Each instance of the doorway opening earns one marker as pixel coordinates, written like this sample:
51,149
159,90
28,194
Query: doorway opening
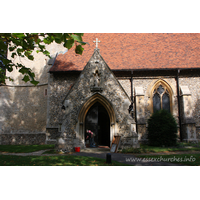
97,120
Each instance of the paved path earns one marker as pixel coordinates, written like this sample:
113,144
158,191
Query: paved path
125,158
166,153
35,153
129,159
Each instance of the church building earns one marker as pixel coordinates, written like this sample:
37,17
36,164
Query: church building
111,89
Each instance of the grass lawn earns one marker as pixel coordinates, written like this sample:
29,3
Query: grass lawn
183,159
152,149
24,148
68,160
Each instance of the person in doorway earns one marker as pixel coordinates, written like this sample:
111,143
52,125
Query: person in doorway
90,135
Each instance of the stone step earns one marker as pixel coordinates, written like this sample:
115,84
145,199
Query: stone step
51,141
95,150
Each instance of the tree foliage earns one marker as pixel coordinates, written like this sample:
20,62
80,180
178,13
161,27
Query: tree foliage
162,129
23,45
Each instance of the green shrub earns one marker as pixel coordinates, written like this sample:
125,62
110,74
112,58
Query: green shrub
162,129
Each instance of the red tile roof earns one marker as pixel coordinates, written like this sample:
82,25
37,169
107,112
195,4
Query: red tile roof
124,51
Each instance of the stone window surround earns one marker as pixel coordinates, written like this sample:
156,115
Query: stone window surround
151,93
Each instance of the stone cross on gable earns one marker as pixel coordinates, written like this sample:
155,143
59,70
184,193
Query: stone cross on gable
97,42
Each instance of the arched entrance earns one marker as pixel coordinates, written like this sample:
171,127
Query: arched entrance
108,109
97,120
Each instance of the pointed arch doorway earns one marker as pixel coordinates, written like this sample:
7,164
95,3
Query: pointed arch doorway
107,108
97,120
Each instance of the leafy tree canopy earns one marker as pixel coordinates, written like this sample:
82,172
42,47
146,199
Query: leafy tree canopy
23,44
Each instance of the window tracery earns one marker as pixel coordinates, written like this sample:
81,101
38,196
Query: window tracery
161,97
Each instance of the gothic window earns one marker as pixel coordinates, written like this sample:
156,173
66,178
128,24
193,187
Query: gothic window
161,98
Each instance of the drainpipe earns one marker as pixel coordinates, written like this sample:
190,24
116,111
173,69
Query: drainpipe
131,86
131,106
179,105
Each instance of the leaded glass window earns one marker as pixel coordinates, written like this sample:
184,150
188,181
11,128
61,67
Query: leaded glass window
156,102
165,102
161,98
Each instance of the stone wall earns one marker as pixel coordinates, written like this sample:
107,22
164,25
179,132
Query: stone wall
59,86
126,84
81,92
145,83
23,110
188,79
95,79
190,101
198,133
192,80
24,106
25,139
26,111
